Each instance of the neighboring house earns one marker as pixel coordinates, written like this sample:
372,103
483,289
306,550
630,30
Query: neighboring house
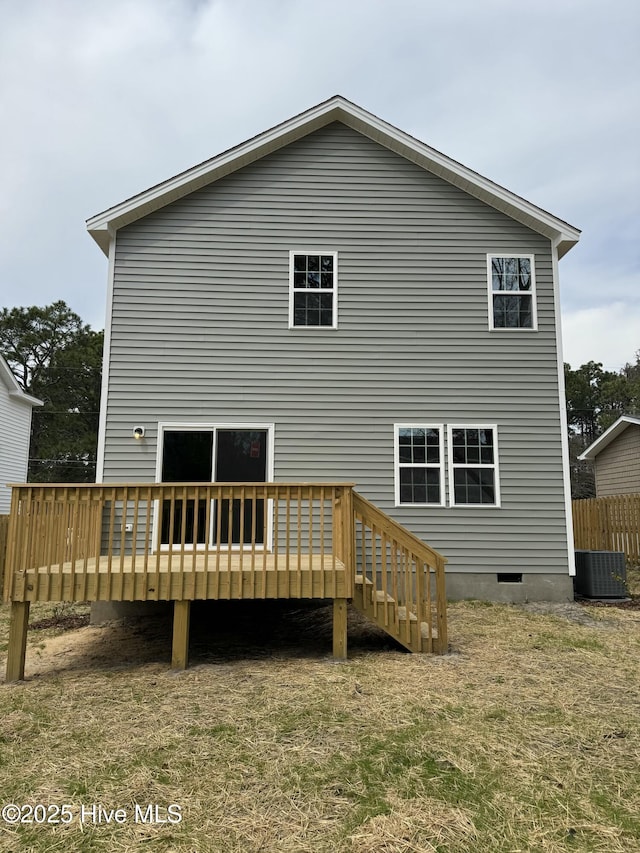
15,432
616,458
334,300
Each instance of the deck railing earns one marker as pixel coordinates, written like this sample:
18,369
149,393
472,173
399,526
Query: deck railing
4,533
104,541
402,578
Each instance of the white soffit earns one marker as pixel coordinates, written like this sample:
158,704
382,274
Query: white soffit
104,224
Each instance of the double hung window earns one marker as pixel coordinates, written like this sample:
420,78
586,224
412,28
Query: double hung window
419,468
512,292
473,455
313,282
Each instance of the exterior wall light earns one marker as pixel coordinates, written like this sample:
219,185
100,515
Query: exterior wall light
138,432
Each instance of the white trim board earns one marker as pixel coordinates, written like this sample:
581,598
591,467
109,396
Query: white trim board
106,361
564,428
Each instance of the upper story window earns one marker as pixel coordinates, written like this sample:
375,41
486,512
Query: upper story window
512,292
473,465
419,475
313,283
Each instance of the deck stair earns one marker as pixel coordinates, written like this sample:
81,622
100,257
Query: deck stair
382,609
399,580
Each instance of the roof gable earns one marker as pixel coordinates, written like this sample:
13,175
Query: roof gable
13,386
103,225
610,435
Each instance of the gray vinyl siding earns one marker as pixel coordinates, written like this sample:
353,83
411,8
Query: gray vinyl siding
618,465
200,334
15,429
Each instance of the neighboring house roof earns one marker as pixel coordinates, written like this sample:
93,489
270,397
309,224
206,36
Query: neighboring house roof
13,386
607,437
103,225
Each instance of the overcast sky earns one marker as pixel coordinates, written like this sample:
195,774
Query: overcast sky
99,101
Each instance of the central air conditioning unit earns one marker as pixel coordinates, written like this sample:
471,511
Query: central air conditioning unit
601,574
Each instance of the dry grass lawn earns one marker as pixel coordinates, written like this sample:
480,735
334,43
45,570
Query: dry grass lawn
525,738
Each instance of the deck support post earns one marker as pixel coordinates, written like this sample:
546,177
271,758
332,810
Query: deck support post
17,640
340,628
442,646
180,648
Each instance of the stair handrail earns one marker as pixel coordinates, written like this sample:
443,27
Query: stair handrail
398,531
376,519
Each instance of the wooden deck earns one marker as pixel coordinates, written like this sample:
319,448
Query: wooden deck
173,577
186,541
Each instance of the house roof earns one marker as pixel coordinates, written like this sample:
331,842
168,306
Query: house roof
607,437
103,225
13,386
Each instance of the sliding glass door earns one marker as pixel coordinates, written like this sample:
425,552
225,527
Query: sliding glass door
213,454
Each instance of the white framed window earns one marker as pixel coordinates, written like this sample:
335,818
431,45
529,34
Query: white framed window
473,465
512,292
419,464
313,289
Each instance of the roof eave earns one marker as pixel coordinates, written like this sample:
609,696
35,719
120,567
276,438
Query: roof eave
101,226
561,233
14,388
27,399
609,435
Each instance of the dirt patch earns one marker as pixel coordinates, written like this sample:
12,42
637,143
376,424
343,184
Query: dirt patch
632,603
221,632
62,623
573,611
580,611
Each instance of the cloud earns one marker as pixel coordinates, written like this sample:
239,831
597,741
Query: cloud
100,101
609,334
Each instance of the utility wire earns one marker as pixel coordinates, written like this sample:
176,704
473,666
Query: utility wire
65,461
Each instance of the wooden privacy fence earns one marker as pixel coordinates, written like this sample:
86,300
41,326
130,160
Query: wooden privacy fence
608,524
